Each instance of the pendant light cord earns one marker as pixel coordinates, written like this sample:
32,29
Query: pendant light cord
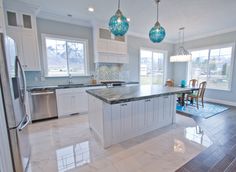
118,4
157,1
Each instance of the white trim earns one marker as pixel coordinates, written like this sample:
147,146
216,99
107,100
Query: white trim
165,52
209,48
65,19
67,38
224,102
206,35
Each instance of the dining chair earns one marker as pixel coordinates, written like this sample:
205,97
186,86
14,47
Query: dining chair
198,94
170,83
193,82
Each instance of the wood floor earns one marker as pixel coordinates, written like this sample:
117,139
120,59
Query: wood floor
221,155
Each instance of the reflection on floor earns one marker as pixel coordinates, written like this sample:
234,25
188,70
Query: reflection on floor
67,145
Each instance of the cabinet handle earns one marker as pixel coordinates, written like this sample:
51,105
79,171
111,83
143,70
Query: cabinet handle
148,100
123,104
166,97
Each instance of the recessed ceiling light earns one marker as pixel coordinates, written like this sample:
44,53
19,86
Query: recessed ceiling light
91,9
128,19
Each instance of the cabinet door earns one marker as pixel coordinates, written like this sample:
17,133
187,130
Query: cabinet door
126,119
66,104
30,51
82,102
138,111
121,121
26,21
15,35
149,115
12,18
165,110
2,22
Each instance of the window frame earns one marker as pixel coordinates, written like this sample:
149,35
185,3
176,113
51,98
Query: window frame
63,38
209,48
154,51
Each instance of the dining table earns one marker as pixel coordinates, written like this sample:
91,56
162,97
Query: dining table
192,89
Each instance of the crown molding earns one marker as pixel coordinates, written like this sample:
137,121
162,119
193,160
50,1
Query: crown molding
60,18
206,35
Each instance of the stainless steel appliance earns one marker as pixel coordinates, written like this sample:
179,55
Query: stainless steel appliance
13,88
113,83
44,105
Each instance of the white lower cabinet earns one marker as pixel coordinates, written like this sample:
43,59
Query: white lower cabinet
121,121
118,122
72,100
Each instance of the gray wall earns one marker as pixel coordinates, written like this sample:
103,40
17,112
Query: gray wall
63,29
134,45
180,69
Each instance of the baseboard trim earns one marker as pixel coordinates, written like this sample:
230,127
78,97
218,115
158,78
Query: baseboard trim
224,102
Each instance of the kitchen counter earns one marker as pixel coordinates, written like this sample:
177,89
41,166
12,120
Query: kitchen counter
126,94
63,86
120,113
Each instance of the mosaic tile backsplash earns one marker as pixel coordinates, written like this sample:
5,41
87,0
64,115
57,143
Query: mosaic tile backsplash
103,72
111,72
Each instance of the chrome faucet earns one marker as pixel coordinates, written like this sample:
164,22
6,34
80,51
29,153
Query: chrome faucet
70,79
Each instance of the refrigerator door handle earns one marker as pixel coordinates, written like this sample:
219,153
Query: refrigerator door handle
24,123
22,73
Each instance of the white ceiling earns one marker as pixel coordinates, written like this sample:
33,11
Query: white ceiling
199,17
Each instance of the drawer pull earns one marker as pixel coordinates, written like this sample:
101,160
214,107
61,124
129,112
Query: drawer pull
123,104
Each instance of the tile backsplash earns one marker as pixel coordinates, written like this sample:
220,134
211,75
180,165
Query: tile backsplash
105,71
35,79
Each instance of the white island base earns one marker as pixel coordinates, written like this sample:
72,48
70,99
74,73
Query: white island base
114,123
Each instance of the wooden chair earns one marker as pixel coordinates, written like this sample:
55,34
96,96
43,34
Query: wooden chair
193,83
170,83
199,94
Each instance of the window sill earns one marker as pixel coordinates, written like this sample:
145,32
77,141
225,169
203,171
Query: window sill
215,89
73,76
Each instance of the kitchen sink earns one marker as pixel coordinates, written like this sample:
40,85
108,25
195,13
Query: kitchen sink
70,85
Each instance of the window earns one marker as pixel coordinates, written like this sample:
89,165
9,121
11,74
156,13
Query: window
152,67
64,56
214,66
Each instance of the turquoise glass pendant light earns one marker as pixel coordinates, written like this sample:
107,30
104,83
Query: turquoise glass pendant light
118,23
157,33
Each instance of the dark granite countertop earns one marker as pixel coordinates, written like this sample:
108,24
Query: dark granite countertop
65,86
126,94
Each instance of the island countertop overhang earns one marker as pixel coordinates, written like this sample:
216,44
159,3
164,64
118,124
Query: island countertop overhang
117,95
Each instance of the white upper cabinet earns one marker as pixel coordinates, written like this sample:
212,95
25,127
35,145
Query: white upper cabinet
108,48
2,23
21,27
19,19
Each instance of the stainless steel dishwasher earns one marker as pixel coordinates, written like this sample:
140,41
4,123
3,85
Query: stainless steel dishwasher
43,104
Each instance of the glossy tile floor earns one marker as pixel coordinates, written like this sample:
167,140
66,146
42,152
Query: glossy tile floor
67,145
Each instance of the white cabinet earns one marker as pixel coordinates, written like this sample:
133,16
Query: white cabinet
121,121
19,19
2,21
22,28
114,123
73,100
163,109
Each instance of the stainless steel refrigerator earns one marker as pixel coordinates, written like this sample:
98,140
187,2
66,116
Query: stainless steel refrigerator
13,88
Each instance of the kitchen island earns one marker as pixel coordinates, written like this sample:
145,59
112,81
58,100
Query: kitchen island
120,113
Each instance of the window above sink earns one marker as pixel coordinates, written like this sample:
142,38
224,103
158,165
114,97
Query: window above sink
64,56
